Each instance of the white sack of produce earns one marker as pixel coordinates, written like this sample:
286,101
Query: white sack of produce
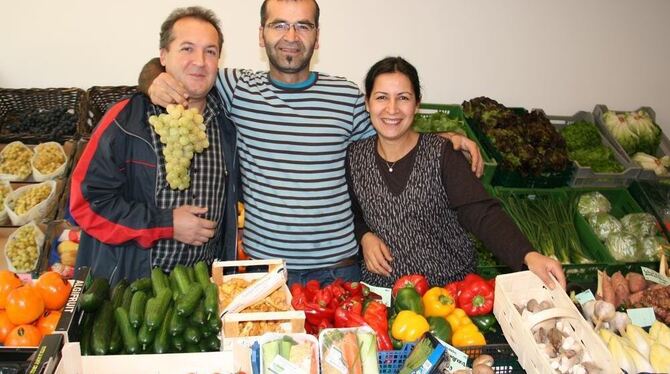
48,161
5,189
23,248
30,202
15,162
257,291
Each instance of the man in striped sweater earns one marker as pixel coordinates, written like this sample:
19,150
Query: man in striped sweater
294,126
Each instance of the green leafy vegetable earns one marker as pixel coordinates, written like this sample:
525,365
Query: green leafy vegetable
585,147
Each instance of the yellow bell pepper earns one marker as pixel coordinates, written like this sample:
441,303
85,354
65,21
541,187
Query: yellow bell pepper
438,302
458,318
409,326
467,335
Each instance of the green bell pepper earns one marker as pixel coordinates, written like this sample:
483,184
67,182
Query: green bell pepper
408,299
440,328
485,323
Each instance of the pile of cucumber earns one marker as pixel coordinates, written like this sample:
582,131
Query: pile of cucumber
160,314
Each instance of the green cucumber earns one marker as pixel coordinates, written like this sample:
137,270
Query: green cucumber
95,295
177,324
159,280
192,335
214,324
156,312
102,329
201,273
213,343
142,284
127,298
202,344
117,293
182,279
212,300
192,348
178,343
86,328
191,274
137,306
198,317
127,332
189,300
162,339
173,286
145,336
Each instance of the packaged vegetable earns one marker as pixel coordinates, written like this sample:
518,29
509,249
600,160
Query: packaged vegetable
639,224
289,353
623,247
604,224
592,203
350,350
427,355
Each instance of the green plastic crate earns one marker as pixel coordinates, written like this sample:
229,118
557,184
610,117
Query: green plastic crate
658,205
622,203
512,178
456,112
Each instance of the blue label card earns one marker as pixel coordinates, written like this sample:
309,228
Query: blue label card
584,297
643,317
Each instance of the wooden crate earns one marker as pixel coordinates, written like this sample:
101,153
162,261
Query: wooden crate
518,288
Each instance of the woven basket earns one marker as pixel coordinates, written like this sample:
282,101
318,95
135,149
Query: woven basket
100,98
16,101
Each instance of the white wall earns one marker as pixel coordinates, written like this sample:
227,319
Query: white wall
562,56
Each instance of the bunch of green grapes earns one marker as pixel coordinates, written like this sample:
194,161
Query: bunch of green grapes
15,159
48,158
22,249
182,131
30,198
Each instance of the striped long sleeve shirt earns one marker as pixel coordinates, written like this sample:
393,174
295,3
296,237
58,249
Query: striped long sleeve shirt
292,143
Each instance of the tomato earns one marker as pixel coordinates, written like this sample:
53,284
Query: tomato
47,323
53,289
24,336
5,326
8,282
24,305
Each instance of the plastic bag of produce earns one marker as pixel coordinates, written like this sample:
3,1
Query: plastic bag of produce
592,203
639,224
48,161
623,246
30,202
604,224
650,247
5,189
23,248
15,162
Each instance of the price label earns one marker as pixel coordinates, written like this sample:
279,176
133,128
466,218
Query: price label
642,317
385,293
584,297
654,276
457,359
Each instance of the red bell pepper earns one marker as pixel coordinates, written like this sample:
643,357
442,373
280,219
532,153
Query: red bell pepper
339,294
354,288
311,287
314,313
323,297
349,314
454,289
476,297
298,296
375,316
416,281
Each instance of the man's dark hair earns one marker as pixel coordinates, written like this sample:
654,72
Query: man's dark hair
264,12
196,12
393,65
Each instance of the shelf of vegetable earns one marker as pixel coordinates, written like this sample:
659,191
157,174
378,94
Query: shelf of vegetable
638,135
528,149
599,163
449,118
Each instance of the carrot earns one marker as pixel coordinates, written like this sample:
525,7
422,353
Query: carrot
351,353
608,290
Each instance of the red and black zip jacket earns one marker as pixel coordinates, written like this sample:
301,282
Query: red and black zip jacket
112,195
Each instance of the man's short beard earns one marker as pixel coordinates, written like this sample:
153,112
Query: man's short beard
289,69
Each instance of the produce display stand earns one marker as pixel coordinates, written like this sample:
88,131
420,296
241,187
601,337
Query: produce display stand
663,147
585,176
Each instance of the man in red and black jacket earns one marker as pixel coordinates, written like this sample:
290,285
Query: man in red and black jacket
131,219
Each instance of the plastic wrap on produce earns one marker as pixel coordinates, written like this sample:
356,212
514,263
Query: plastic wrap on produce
257,291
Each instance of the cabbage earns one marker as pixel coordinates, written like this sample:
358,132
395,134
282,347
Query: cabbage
604,224
623,246
620,129
592,203
639,224
649,246
649,135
